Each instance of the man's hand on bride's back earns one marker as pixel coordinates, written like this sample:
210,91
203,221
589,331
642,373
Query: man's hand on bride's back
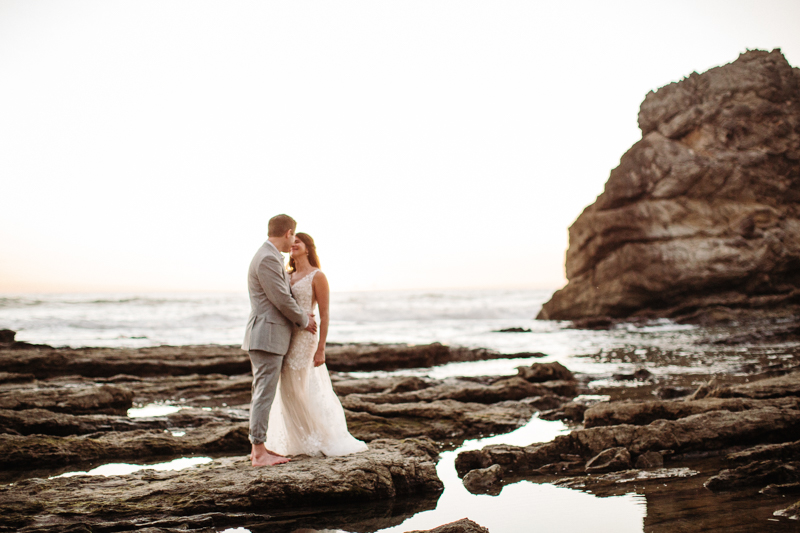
312,324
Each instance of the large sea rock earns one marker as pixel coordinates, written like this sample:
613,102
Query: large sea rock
703,211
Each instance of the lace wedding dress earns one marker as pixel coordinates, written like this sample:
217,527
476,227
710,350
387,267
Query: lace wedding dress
307,417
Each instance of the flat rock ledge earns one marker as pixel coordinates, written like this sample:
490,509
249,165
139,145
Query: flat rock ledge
41,361
388,469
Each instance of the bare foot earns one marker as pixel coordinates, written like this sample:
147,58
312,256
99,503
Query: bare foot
261,456
268,459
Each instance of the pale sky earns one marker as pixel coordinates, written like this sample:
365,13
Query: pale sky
423,144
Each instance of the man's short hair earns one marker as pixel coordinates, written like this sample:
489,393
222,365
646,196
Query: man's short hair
280,224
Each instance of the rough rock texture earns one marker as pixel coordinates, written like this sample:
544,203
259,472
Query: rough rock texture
106,399
639,413
465,525
704,210
388,469
46,361
484,480
761,413
44,450
609,460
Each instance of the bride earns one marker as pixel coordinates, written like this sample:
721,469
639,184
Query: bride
307,417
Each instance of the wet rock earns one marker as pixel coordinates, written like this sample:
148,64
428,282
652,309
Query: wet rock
781,488
573,411
513,388
513,330
702,211
597,323
440,419
10,377
778,387
345,386
44,422
7,341
783,451
465,525
45,450
539,372
792,512
484,480
641,413
7,336
360,357
650,460
408,384
668,392
106,399
46,362
609,460
757,473
641,374
712,430
387,470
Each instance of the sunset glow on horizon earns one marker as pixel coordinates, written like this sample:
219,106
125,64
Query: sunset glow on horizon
422,144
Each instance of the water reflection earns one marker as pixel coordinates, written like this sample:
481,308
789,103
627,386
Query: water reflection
153,409
526,506
122,469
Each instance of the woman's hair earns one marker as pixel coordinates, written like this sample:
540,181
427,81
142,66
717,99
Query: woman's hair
312,252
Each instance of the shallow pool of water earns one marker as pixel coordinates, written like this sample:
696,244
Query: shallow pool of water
153,409
121,469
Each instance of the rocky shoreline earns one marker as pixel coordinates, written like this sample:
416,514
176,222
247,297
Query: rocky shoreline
65,410
726,442
714,440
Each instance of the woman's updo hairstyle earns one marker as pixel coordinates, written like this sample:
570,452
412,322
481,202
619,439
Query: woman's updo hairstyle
312,252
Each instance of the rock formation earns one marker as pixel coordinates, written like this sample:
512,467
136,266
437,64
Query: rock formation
388,469
753,426
703,211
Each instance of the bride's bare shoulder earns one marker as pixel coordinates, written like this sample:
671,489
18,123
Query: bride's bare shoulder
319,278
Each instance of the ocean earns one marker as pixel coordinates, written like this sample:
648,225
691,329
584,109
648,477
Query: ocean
471,318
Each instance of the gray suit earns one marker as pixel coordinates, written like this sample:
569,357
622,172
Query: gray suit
273,310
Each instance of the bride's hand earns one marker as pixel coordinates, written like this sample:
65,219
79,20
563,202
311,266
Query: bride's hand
319,357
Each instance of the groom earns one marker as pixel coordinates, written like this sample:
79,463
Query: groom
273,310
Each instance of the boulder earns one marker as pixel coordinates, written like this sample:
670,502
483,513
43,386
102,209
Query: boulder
465,525
649,460
7,336
484,480
539,372
609,460
702,212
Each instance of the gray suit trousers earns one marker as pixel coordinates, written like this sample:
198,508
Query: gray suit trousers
266,372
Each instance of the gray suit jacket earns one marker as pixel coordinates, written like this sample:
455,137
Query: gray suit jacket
273,310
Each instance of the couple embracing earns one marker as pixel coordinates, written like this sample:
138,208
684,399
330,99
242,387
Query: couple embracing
294,409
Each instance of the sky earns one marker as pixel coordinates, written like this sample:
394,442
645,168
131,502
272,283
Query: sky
426,144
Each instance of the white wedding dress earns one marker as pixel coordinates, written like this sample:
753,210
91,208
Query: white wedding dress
307,417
